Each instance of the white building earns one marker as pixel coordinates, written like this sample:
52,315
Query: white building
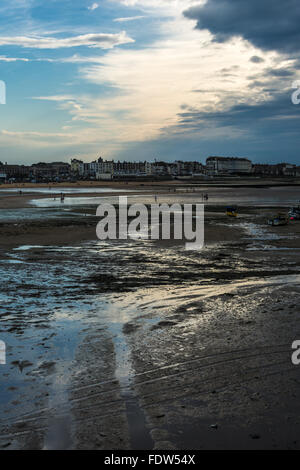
105,170
216,166
122,169
157,168
148,168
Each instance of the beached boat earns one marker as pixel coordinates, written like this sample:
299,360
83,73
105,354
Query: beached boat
294,213
231,211
279,219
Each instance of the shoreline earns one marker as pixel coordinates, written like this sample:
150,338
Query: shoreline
250,195
210,182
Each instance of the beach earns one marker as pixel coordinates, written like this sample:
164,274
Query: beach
142,344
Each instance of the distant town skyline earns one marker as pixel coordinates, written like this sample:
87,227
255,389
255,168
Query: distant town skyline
142,79
101,169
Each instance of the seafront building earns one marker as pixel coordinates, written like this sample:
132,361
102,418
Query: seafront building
282,169
51,171
101,169
222,166
14,171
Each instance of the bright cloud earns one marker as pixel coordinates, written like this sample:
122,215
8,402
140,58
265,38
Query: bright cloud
161,7
12,59
154,84
103,41
150,87
93,7
129,18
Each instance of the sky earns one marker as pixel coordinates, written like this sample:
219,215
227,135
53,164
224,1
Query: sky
149,79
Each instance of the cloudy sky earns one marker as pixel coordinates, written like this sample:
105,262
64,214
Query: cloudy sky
145,79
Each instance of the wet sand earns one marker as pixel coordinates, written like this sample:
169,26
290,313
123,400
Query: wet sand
142,344
267,190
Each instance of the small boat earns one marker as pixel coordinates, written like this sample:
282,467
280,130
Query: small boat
231,211
279,219
294,213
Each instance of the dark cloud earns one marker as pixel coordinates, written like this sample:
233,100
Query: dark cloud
281,73
281,77
268,24
256,59
265,87
271,127
267,132
280,110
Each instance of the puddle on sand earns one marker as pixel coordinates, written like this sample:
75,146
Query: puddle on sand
59,425
27,247
58,436
170,298
71,190
11,261
83,201
139,434
270,248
